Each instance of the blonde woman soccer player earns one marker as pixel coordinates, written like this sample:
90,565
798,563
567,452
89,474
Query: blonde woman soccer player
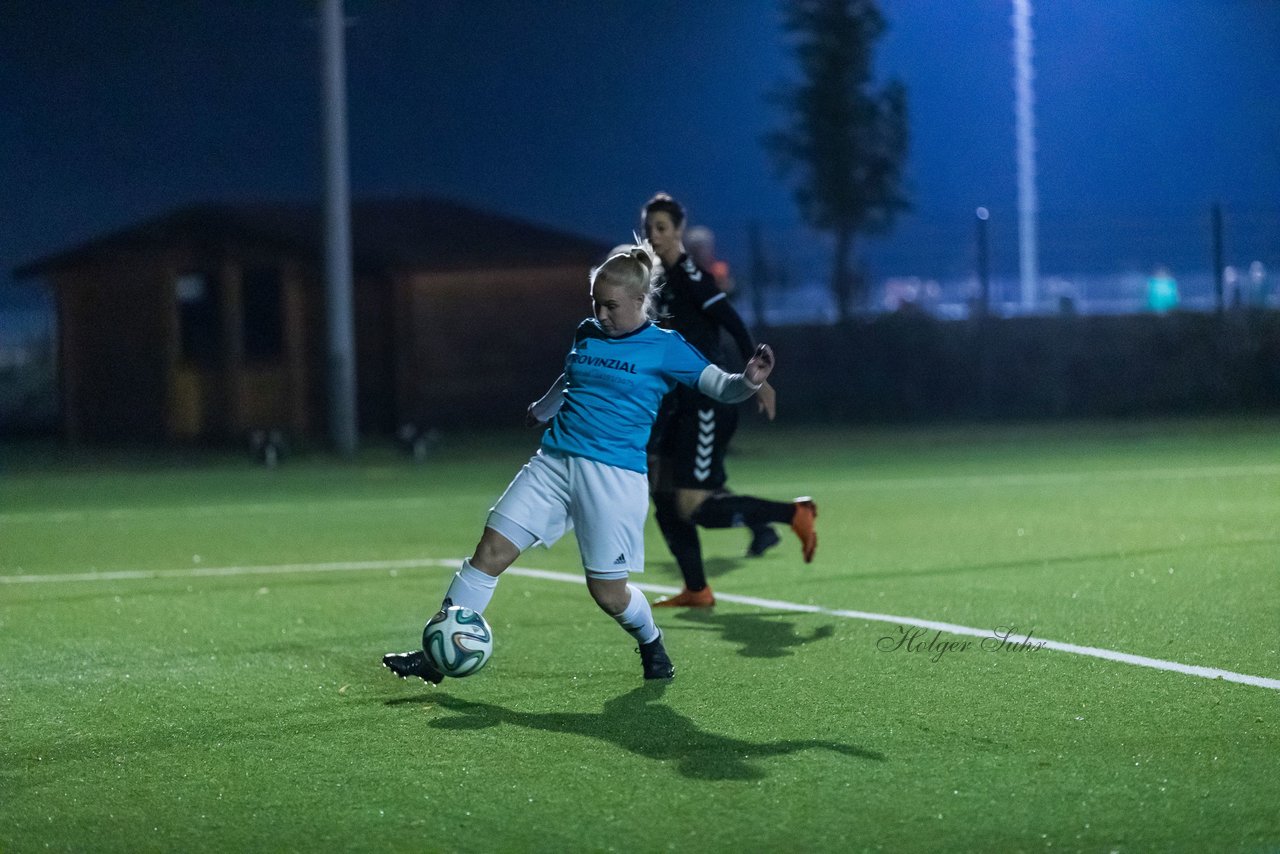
590,472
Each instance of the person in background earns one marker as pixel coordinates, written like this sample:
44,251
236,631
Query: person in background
1162,291
700,242
692,433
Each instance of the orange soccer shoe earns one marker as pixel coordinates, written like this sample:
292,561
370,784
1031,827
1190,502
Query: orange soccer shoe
803,522
687,598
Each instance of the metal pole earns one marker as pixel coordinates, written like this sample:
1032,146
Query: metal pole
337,243
1028,205
1217,257
984,274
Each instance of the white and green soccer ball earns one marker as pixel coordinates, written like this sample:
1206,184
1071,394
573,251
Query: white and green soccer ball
458,641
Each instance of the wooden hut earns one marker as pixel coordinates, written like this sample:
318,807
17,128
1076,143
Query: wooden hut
208,322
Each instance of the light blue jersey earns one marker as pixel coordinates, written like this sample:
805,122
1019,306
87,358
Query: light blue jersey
612,391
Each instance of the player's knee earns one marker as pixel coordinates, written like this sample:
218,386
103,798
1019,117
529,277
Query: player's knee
689,502
611,595
611,605
493,554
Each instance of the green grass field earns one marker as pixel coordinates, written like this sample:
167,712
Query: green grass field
190,655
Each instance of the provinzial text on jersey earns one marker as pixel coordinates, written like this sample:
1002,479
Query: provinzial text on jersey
597,361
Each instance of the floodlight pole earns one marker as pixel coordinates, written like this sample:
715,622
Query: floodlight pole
337,242
1028,205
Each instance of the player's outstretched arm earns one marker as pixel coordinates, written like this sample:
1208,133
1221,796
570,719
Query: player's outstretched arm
545,408
725,387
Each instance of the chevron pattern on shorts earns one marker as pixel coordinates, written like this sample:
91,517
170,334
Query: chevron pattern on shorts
706,443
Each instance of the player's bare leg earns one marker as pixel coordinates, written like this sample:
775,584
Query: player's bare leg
471,587
626,604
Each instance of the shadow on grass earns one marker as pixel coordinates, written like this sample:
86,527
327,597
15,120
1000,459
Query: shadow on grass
639,724
759,635
717,567
714,567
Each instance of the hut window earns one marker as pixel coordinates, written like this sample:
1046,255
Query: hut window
263,315
199,318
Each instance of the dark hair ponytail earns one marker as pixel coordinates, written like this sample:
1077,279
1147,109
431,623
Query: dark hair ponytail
662,202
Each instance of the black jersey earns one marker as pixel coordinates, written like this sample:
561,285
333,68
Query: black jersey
690,303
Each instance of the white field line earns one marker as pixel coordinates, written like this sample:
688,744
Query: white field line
1053,478
216,510
753,601
853,484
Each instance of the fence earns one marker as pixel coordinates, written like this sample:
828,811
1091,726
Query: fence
1089,263
911,367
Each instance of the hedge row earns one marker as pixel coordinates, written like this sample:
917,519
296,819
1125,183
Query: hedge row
912,367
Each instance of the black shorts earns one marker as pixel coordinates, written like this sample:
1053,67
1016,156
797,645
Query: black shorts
691,435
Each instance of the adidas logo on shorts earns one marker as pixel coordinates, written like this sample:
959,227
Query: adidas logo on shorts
621,561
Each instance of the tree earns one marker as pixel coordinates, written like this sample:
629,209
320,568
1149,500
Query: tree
844,142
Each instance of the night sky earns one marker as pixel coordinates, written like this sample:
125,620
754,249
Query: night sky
572,113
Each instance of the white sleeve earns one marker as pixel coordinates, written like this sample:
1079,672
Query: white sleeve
724,386
546,408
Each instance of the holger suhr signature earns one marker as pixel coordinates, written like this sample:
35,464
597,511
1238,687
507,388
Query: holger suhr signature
935,645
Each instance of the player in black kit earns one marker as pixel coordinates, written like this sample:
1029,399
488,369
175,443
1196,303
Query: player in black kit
689,440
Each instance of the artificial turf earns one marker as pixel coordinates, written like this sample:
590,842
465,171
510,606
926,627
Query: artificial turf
191,644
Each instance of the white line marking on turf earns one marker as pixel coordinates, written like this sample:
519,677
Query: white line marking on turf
412,503
218,510
548,575
976,481
1014,639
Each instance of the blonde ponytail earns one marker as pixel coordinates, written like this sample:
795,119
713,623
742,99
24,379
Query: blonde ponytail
630,266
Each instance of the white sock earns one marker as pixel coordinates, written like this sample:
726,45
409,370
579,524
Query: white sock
471,588
637,618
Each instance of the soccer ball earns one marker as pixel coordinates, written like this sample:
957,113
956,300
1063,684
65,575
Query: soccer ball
458,641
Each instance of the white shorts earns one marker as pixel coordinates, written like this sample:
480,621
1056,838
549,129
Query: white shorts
605,505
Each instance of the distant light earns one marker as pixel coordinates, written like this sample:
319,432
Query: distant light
983,214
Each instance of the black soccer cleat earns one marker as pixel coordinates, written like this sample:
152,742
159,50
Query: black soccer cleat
763,538
657,665
416,663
